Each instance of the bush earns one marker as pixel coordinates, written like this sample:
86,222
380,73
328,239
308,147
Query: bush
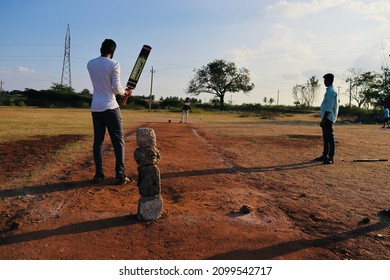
359,115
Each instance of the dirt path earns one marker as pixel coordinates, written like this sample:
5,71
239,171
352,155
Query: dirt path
204,185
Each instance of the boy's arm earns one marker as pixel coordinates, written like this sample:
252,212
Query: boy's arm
116,81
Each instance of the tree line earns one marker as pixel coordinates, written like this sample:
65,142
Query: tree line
219,77
63,97
368,89
59,96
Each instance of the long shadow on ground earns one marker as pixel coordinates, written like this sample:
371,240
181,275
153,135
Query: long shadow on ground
284,248
239,169
82,227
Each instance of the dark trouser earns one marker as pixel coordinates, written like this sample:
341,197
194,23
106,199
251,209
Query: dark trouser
112,121
385,121
328,136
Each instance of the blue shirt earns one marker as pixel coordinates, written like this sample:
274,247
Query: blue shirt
386,114
330,104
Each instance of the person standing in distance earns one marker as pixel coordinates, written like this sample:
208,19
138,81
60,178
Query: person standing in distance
386,117
184,110
329,112
106,115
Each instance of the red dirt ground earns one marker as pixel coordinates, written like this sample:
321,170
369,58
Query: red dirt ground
300,209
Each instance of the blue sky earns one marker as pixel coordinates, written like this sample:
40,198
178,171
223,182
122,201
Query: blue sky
282,43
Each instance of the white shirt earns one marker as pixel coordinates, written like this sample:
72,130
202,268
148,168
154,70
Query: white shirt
105,76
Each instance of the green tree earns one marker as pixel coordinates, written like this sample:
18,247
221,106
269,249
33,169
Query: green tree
312,86
383,87
306,94
85,91
61,88
170,102
365,87
218,78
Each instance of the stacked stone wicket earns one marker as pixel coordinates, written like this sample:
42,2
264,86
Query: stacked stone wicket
149,183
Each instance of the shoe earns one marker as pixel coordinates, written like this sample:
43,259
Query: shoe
321,158
328,161
123,180
98,178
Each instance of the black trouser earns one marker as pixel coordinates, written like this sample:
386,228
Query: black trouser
328,136
112,121
385,121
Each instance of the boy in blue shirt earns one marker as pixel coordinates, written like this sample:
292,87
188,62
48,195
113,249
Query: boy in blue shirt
329,112
386,117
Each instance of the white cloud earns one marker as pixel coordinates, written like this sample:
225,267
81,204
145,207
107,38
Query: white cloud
299,9
299,39
378,11
281,46
24,70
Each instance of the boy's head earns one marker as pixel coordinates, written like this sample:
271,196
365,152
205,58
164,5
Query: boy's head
328,79
108,47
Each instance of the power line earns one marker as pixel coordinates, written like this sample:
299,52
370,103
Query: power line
29,44
30,56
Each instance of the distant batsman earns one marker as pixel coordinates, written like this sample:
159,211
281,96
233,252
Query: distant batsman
106,115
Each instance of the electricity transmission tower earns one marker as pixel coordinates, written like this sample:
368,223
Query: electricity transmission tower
66,77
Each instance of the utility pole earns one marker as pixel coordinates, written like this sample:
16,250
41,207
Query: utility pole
151,88
66,79
277,99
350,93
1,86
386,89
338,93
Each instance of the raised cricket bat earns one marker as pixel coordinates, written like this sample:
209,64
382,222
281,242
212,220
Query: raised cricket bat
137,70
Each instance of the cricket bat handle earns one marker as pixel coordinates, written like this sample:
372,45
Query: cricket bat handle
124,100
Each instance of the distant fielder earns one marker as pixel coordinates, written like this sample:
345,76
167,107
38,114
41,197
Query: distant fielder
185,109
386,117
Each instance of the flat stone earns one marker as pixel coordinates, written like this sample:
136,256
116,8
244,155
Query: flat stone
149,208
149,182
146,137
147,156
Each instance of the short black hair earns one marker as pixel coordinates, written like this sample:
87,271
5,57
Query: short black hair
108,46
329,77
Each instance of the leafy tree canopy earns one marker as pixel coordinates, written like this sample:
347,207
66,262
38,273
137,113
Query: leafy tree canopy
218,78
